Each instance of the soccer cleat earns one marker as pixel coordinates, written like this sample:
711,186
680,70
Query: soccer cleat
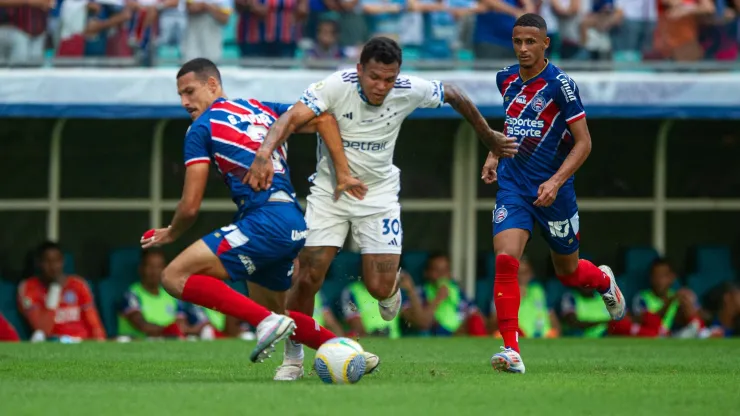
508,361
389,307
613,298
270,331
289,372
372,362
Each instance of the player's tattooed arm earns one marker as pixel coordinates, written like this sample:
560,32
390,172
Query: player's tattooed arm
260,174
495,141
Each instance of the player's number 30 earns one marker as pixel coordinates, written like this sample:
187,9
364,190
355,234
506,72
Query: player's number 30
391,226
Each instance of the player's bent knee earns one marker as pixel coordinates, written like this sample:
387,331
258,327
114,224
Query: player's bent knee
381,287
173,280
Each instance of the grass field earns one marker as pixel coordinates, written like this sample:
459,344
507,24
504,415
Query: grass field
417,376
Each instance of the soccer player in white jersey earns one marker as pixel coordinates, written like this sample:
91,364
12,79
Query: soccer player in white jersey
369,104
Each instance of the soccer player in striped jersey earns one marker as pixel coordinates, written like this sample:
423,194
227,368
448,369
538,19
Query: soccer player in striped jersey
545,115
268,229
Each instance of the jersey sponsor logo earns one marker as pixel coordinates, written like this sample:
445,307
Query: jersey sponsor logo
538,103
365,146
521,99
248,264
68,314
296,235
566,88
559,229
253,119
348,115
69,297
522,127
500,214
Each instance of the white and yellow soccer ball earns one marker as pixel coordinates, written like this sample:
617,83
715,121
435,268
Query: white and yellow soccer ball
340,361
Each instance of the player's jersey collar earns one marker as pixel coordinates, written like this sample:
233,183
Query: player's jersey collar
363,97
547,65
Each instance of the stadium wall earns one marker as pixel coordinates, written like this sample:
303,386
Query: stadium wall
96,173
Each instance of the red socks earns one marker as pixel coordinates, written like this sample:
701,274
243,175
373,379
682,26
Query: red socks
506,297
587,275
308,332
173,330
7,332
214,294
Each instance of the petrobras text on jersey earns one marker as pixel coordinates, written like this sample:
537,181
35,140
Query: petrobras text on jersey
365,146
520,127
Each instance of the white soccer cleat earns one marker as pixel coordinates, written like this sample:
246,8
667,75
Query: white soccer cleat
389,307
508,361
372,362
270,331
289,372
613,299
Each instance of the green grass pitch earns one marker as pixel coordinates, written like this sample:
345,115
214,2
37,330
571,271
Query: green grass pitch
417,377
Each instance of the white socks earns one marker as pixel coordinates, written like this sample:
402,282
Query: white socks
293,353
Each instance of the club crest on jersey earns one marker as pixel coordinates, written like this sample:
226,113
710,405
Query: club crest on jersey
500,214
538,103
69,297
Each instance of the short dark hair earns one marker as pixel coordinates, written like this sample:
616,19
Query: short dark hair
434,255
328,22
201,67
531,20
714,298
382,50
659,261
46,246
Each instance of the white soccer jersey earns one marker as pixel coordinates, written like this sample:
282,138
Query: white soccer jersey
368,132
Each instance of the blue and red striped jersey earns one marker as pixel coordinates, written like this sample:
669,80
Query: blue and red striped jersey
228,135
538,114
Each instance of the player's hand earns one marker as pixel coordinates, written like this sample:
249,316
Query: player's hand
502,146
350,185
686,297
157,237
547,193
488,174
406,282
442,294
260,174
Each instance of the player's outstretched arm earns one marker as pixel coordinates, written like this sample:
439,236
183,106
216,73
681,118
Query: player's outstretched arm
548,191
196,178
261,172
495,141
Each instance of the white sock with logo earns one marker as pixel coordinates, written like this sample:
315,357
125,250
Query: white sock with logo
293,353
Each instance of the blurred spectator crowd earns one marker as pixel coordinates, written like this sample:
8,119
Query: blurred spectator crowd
151,30
54,305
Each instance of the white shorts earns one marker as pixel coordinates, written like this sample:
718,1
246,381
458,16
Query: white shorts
376,230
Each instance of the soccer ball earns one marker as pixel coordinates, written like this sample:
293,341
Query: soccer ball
340,361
